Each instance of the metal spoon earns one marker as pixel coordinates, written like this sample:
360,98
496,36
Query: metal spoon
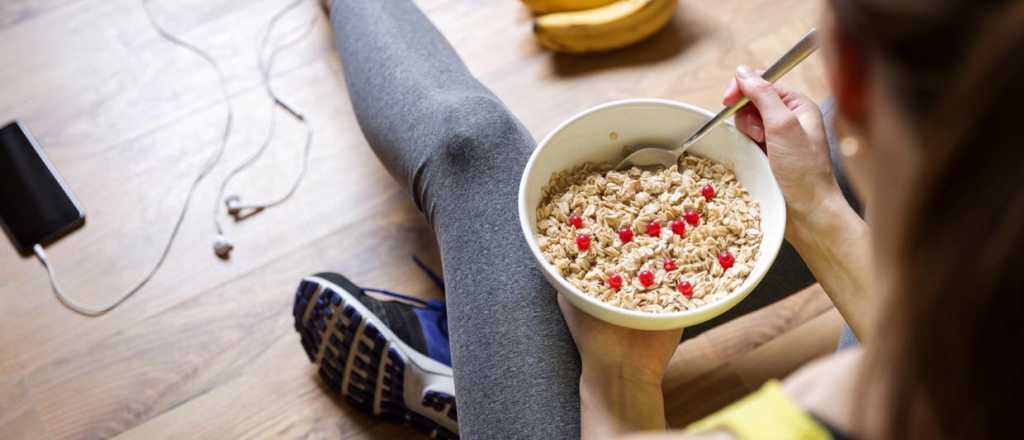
665,157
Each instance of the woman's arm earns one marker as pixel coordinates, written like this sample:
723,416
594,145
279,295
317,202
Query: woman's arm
835,244
822,226
828,388
613,405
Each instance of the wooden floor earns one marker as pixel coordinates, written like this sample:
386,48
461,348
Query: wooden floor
207,349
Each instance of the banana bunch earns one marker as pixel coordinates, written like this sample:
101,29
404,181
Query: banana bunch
578,26
549,6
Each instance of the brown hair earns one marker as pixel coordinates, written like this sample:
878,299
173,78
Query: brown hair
953,329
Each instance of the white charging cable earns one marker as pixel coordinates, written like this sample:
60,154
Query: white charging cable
222,247
209,165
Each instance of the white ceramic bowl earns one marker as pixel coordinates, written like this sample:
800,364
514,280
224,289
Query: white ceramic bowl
588,137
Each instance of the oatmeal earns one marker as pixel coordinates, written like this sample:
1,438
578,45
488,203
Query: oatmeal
655,241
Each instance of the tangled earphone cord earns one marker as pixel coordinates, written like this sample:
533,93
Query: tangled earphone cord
208,166
266,65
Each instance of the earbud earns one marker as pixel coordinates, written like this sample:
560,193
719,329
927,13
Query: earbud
234,205
222,247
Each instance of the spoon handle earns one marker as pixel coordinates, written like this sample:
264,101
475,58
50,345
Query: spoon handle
803,48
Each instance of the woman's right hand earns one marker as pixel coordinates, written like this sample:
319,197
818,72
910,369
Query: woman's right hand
830,237
789,127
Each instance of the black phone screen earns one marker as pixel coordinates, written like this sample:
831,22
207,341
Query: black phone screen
35,205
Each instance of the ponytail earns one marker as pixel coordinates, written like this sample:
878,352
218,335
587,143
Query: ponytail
956,317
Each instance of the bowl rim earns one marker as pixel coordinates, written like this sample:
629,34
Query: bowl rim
715,307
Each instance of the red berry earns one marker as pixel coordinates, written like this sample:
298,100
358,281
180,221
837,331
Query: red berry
653,229
708,192
670,264
626,235
726,260
692,217
615,281
576,221
583,242
646,277
685,288
679,228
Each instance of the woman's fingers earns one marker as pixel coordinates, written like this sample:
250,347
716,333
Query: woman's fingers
732,90
807,112
775,115
748,121
802,105
732,93
788,126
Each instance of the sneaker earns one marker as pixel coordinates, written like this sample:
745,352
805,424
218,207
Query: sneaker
387,353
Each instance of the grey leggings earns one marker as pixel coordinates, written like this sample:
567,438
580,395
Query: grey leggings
460,153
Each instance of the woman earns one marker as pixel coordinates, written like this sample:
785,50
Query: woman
932,288
929,287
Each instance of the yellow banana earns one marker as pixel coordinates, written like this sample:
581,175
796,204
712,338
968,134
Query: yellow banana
548,6
607,27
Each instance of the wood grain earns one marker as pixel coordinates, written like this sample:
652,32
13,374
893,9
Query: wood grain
206,350
731,360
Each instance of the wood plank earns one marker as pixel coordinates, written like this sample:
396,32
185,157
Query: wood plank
202,345
124,238
714,37
731,340
100,75
774,360
278,396
733,359
19,417
15,12
781,356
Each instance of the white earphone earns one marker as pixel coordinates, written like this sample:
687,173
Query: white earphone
222,247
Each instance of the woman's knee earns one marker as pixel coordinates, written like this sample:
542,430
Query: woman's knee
480,130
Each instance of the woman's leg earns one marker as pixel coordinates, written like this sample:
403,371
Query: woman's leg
460,152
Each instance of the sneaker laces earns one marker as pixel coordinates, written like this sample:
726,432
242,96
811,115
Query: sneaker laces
427,304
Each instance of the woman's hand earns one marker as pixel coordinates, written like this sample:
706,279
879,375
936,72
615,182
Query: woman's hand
622,368
830,237
789,127
608,349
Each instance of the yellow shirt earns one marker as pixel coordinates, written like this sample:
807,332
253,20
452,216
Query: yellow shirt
767,414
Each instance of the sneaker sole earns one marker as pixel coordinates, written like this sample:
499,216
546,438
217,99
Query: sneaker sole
360,359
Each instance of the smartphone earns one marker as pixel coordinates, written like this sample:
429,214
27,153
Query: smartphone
36,207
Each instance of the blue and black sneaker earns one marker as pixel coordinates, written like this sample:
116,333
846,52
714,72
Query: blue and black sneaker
387,353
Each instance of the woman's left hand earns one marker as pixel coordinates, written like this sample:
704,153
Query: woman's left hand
607,349
620,383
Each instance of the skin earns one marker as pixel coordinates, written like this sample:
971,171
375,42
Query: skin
620,387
